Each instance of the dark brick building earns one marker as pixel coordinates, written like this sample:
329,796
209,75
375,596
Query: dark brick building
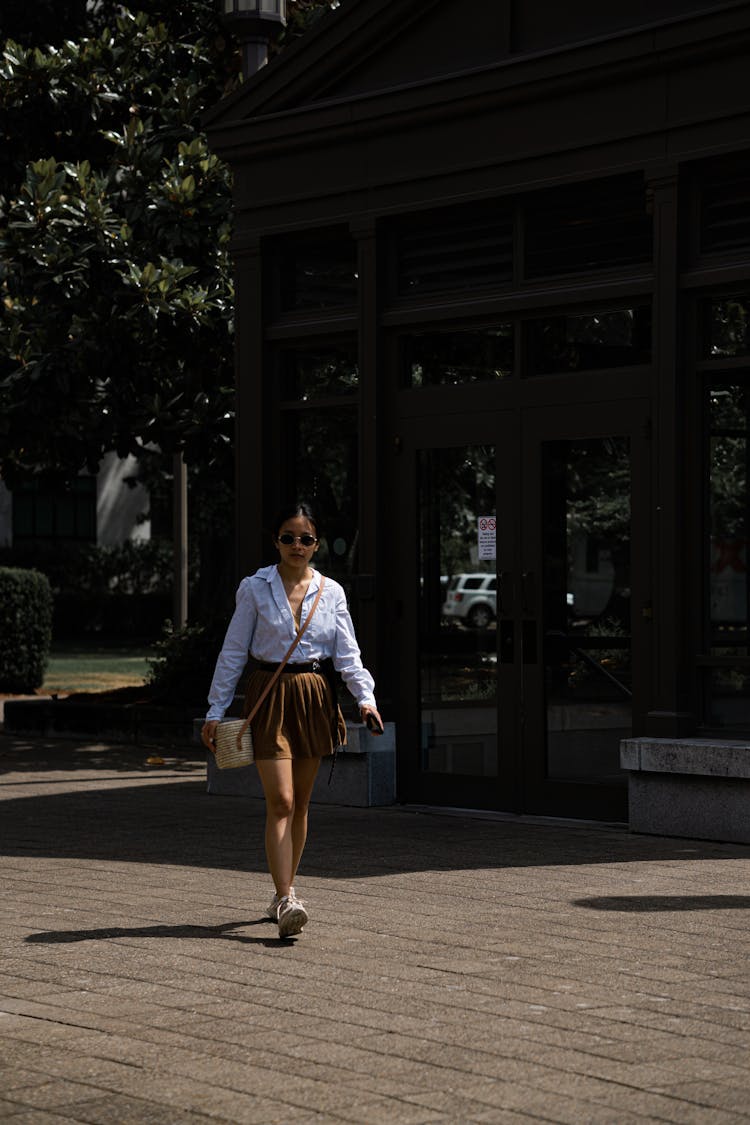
493,285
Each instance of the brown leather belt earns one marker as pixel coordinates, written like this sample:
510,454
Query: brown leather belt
312,666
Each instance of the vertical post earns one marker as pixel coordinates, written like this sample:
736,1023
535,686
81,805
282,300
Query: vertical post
672,712
249,350
254,473
180,540
369,438
254,56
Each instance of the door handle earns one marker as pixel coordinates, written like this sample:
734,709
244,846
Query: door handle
505,592
528,641
528,591
506,630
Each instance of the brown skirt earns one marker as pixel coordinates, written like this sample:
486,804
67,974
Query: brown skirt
296,719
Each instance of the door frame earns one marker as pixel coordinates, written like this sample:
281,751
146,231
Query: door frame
541,794
515,432
436,432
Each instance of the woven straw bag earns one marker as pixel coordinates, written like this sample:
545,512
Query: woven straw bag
233,741
234,744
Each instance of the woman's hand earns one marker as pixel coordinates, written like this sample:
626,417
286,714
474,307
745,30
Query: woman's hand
377,727
208,734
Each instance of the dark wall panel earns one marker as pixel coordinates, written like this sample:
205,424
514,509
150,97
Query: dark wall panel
450,37
445,145
538,25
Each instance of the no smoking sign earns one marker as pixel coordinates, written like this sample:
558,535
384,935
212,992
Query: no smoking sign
486,537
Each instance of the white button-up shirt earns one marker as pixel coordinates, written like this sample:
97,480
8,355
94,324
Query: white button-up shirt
263,625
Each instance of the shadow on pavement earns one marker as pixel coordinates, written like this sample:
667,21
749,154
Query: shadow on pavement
29,756
644,904
159,819
225,931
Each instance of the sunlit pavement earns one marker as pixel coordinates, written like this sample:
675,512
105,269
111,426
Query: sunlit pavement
455,969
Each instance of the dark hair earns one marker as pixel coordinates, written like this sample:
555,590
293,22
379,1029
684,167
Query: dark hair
299,508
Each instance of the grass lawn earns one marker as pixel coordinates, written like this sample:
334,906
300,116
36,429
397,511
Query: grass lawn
95,669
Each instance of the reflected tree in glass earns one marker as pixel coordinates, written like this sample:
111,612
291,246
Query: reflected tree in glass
325,471
728,327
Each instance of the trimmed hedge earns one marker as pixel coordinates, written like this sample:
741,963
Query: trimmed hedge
25,628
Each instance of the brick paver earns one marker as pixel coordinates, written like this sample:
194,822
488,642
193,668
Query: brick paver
457,968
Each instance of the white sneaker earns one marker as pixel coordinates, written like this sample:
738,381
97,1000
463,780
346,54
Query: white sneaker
292,916
272,910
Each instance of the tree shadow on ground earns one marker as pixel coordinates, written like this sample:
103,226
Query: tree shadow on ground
646,904
40,756
165,820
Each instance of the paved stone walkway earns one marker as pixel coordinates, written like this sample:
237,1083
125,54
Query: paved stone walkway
457,968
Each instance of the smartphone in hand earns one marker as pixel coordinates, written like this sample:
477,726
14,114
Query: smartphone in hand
373,724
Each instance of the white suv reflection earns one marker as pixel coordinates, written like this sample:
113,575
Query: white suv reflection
472,599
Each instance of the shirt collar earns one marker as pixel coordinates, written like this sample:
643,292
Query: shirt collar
277,587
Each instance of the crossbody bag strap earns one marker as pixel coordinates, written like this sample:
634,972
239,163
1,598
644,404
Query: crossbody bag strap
283,663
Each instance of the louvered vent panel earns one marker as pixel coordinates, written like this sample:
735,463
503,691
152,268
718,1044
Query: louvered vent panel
591,226
455,253
725,205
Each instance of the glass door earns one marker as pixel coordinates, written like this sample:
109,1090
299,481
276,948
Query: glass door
457,610
586,606
524,566
463,712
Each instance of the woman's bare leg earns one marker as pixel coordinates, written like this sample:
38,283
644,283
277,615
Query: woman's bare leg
304,772
278,786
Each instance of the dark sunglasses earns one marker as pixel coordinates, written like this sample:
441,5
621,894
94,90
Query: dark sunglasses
305,540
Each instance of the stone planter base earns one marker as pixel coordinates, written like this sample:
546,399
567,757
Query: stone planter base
689,787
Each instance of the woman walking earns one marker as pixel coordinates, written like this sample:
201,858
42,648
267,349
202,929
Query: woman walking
299,722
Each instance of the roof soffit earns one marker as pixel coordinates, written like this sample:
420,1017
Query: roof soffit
507,82
367,47
311,69
303,94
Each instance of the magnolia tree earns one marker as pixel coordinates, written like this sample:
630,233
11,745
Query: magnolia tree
115,221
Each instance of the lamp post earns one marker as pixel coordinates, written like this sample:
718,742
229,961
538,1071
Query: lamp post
255,23
180,541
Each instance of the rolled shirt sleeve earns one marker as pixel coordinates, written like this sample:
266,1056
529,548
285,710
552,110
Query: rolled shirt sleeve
346,656
234,652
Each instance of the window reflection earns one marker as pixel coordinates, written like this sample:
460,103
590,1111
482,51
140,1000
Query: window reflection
457,656
728,329
728,683
612,338
452,358
324,469
587,645
315,272
319,372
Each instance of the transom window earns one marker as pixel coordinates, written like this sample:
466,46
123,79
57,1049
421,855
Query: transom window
589,341
727,327
579,228
315,271
319,371
433,359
